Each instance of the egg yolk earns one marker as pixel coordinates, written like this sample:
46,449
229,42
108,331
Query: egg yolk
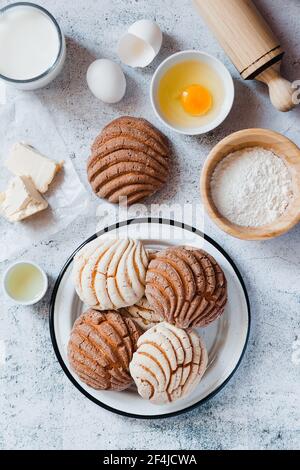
196,100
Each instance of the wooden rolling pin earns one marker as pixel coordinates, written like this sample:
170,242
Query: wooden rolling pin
251,45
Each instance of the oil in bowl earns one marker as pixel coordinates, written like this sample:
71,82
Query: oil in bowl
25,283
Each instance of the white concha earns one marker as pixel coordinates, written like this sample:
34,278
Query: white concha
168,364
110,273
143,314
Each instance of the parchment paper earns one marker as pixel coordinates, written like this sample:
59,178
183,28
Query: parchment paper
23,118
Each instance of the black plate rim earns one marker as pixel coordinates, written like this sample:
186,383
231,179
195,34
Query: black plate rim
53,299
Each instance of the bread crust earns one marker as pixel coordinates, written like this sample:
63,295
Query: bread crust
129,158
100,348
186,286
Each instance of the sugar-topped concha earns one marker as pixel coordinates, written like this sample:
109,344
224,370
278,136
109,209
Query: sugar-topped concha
186,286
168,364
129,159
110,273
144,315
100,349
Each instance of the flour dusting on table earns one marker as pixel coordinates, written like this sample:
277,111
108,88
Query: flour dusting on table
252,187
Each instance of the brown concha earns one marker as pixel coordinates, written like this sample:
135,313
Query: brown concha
143,314
130,158
186,286
101,347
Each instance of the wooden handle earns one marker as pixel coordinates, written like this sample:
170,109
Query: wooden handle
280,89
242,32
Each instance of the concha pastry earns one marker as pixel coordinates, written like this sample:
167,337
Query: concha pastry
143,314
101,347
186,286
130,158
168,364
110,273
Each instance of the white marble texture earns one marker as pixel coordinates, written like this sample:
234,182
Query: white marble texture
260,407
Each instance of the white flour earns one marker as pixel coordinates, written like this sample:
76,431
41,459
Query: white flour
252,187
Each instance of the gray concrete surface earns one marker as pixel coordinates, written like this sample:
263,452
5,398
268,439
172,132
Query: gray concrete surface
260,407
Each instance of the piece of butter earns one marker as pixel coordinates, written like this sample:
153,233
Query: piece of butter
24,160
21,199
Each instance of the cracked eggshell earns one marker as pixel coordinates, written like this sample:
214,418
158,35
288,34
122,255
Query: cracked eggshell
106,81
141,44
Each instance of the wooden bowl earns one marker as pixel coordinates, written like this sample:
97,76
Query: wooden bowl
281,146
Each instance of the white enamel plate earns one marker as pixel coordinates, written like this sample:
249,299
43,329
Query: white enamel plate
225,339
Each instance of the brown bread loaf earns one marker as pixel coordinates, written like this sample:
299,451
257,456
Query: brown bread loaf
130,158
101,347
186,286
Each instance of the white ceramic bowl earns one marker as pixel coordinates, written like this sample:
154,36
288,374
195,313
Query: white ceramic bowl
5,280
222,72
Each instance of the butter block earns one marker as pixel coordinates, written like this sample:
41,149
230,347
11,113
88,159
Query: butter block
24,160
21,200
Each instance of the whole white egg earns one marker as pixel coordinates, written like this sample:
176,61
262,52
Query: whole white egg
106,80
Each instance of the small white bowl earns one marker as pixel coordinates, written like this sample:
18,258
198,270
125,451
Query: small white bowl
29,302
222,72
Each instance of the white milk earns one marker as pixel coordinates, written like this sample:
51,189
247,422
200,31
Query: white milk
29,45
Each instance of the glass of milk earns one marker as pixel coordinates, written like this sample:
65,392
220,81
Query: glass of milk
32,46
